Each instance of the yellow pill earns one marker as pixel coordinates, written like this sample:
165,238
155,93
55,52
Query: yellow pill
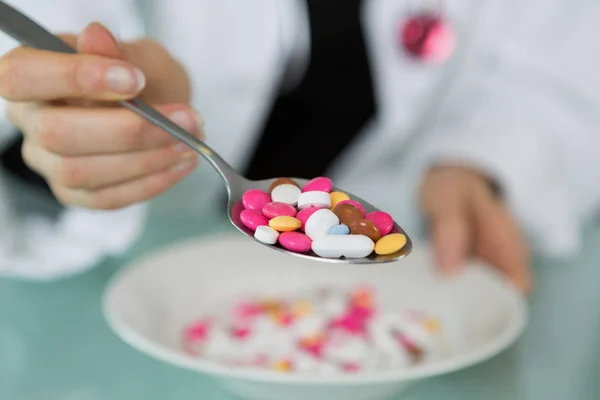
285,223
301,308
390,244
336,197
282,366
432,325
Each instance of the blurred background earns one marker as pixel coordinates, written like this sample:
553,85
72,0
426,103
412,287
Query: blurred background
56,345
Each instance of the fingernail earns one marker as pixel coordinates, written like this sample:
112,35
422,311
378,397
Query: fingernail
124,80
184,119
185,166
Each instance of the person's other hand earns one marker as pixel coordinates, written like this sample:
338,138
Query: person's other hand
466,219
91,153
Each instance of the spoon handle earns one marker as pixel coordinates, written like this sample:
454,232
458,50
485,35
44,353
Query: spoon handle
31,34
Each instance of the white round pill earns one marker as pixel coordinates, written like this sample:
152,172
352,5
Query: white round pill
336,246
320,222
314,199
266,234
286,193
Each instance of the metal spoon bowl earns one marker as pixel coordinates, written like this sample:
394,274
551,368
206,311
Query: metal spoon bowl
31,34
235,207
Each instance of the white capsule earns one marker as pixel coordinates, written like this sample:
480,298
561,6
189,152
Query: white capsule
286,193
266,234
320,222
336,246
314,199
353,350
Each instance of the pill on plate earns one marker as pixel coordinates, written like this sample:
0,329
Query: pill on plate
336,246
336,197
382,220
282,181
274,209
320,223
347,213
314,198
252,219
356,204
320,184
365,227
285,224
304,215
295,241
286,193
266,234
340,229
255,199
390,244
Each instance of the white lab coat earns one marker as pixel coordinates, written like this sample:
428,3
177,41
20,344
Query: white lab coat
520,99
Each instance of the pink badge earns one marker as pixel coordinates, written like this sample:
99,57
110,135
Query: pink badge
305,214
295,241
255,199
275,209
253,219
354,203
320,184
382,220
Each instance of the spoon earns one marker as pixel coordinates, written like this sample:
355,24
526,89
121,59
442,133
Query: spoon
30,34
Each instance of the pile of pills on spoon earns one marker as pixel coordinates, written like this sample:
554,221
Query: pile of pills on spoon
326,331
315,218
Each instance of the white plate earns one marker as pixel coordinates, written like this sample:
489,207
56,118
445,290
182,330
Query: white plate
148,303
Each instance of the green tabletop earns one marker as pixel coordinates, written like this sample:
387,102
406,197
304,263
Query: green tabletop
56,345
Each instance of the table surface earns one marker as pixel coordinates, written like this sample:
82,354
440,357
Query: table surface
56,345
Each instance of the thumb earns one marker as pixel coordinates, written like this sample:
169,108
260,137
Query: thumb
97,39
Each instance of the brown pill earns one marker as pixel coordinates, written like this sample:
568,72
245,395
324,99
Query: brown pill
347,213
365,227
282,181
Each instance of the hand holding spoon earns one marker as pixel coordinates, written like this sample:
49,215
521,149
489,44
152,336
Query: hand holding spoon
29,33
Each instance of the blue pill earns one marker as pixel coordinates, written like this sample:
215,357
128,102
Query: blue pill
339,230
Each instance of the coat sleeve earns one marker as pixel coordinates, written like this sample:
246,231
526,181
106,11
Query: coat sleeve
32,244
526,111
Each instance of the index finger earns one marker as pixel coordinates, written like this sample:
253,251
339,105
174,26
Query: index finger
36,75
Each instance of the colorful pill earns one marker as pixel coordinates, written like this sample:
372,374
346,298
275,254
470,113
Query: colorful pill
304,215
340,229
266,234
274,209
295,241
282,181
286,193
336,197
349,246
314,198
390,244
382,220
252,219
320,223
365,227
285,224
356,204
255,199
347,213
320,184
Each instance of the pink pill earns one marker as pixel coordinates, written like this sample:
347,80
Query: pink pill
295,241
305,214
382,220
252,219
276,209
320,184
255,199
354,203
